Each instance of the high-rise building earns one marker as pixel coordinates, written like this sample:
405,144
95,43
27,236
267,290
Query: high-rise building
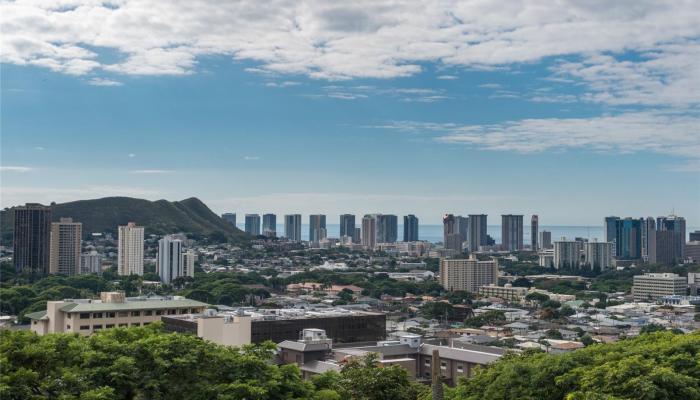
598,255
462,227
316,223
170,261
230,218
512,232
357,238
130,253
567,254
534,231
410,228
91,263
292,227
269,228
32,238
467,274
188,259
675,224
611,231
387,228
664,247
347,225
448,226
648,225
451,238
252,224
66,237
369,231
694,236
477,231
545,240
627,237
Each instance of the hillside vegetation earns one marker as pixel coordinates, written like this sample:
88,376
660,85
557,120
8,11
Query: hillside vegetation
159,217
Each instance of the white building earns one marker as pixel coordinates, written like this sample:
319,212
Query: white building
188,259
654,286
598,254
91,263
567,254
468,274
130,256
170,262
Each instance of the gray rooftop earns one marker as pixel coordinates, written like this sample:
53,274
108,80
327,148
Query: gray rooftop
130,305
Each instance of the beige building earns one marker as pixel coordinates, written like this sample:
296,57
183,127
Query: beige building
66,237
113,309
188,259
468,274
130,255
653,286
507,292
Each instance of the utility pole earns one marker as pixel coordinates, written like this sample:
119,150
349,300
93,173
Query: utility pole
436,376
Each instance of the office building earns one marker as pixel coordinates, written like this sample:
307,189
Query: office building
292,227
512,232
269,225
598,255
316,223
694,236
534,231
675,224
462,227
252,224
130,252
170,262
453,241
357,238
32,239
347,226
664,247
387,228
369,231
451,238
692,251
448,226
611,231
648,225
91,263
650,287
113,309
567,254
188,259
626,237
410,228
468,274
477,231
66,238
545,240
230,218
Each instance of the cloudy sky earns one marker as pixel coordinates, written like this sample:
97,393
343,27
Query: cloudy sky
570,109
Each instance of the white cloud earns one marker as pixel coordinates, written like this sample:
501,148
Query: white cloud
39,148
151,171
372,39
447,77
644,131
251,158
282,84
103,82
131,155
15,168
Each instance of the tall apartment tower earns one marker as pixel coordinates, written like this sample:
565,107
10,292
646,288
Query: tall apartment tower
387,228
451,238
32,238
598,255
66,237
462,227
188,259
357,238
648,225
467,274
477,231
567,254
170,260
317,224
534,232
269,227
410,228
512,232
347,225
292,227
230,218
130,254
369,231
91,263
545,240
252,224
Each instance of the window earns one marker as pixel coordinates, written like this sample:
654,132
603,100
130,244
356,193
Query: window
34,322
148,313
136,313
443,365
111,314
84,315
427,362
136,324
84,327
159,312
122,325
69,315
146,323
460,369
183,311
172,312
67,326
123,314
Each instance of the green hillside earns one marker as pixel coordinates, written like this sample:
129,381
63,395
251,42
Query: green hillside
159,217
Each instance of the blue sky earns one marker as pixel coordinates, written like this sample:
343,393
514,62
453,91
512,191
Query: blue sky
515,123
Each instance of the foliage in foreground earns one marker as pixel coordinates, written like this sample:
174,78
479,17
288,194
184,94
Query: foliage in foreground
653,366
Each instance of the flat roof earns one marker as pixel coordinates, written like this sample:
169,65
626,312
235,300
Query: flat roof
131,305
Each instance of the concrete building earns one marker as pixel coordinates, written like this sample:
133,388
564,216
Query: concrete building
252,224
453,241
292,227
694,236
369,231
91,263
676,224
545,240
477,231
468,274
534,231
170,263
269,225
546,258
506,292
66,238
598,255
410,228
387,228
188,259
567,254
32,239
462,227
648,225
692,251
317,226
130,253
663,247
512,232
85,316
230,218
654,286
347,226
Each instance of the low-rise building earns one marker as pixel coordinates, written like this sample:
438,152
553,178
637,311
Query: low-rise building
507,292
654,286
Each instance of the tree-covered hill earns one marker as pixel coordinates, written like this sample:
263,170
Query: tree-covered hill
159,217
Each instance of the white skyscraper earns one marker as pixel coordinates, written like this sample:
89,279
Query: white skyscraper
170,260
188,259
467,274
598,254
130,256
567,254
